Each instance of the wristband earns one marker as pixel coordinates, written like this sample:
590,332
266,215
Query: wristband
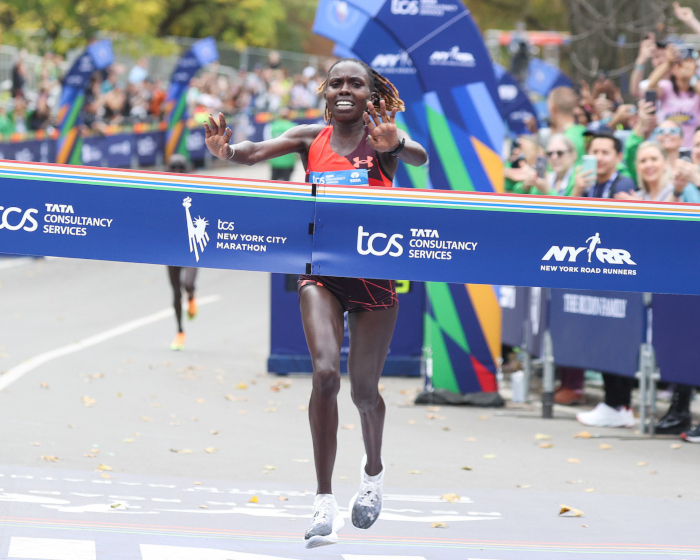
639,67
676,194
233,151
398,149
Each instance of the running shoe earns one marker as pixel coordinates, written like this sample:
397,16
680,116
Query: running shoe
192,309
366,505
179,342
326,522
693,436
604,416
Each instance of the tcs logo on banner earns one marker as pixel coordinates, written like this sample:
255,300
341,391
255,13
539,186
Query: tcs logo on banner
404,7
371,250
13,223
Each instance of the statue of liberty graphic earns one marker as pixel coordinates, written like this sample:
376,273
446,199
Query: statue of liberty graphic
196,230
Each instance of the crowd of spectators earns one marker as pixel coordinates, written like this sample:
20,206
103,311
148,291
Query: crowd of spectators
645,149
124,96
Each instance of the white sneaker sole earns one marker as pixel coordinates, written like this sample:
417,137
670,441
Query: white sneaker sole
595,425
325,540
692,439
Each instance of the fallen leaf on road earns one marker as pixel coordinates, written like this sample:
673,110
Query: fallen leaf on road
471,439
642,464
452,498
575,481
270,468
523,486
35,443
115,506
156,405
254,500
605,446
102,467
301,460
303,407
411,421
241,386
97,375
213,432
348,426
271,409
242,412
583,435
200,401
91,455
545,445
446,429
129,440
543,436
210,449
675,446
50,458
88,401
105,475
283,498
175,423
194,419
589,490
439,525
567,511
380,387
44,385
484,417
203,507
197,483
573,460
491,456
652,472
145,418
466,468
182,451
433,409
414,472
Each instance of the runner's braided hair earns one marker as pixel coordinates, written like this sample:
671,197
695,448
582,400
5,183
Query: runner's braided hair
378,84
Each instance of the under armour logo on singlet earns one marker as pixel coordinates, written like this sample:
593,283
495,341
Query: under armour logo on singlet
367,161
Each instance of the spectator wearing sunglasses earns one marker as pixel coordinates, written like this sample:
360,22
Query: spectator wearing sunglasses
521,172
679,96
561,157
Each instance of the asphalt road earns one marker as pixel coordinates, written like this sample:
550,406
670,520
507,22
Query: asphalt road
114,446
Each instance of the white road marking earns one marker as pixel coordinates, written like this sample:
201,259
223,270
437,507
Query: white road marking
51,549
25,367
381,557
14,262
162,552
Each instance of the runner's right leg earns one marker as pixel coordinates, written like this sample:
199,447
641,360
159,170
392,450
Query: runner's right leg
322,316
174,274
190,275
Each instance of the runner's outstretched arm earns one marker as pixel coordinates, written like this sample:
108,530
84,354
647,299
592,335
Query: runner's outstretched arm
218,135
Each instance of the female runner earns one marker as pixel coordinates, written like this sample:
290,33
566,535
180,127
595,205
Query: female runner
354,139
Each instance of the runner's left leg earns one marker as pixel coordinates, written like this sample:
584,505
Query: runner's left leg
174,274
370,336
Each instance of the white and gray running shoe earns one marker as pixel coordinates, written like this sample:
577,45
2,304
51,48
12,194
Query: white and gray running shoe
325,523
366,505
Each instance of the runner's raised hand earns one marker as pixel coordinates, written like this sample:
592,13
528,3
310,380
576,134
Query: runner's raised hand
217,137
383,135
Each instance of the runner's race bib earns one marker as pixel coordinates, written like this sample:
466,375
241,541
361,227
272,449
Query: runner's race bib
351,177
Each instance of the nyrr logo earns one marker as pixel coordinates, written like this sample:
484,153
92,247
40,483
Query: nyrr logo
196,230
606,256
404,7
453,57
26,217
361,234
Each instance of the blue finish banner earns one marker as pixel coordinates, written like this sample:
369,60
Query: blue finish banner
514,308
370,232
515,107
598,330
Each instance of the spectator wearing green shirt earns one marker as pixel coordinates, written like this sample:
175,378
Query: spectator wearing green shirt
561,103
520,174
282,166
642,129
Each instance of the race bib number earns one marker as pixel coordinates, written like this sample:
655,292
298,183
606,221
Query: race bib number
354,177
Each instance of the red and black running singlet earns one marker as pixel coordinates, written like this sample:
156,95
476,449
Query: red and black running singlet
323,159
354,294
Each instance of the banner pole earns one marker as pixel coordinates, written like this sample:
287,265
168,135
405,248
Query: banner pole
548,376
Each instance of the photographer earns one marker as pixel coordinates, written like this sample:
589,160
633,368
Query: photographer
522,170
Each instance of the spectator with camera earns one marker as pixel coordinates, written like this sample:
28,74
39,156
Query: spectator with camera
562,104
525,169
